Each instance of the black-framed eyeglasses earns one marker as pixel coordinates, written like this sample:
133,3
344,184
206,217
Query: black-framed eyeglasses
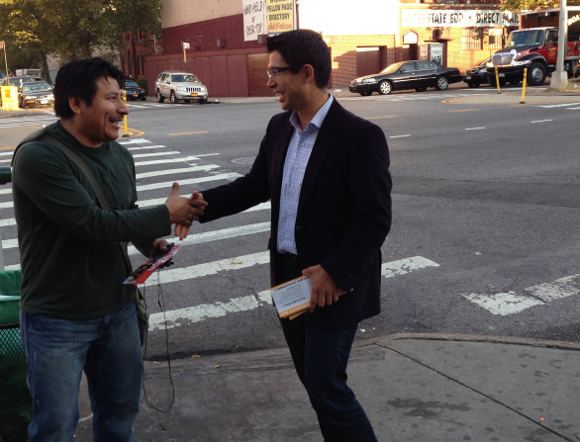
273,71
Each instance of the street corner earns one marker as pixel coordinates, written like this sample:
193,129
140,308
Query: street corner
130,133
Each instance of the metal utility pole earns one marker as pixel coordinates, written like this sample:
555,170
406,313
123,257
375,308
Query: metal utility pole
560,76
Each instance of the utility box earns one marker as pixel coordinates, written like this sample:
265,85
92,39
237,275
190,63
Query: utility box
9,97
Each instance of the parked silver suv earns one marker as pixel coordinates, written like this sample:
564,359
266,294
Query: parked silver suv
180,86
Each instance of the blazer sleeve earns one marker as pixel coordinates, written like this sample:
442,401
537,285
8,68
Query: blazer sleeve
370,193
244,192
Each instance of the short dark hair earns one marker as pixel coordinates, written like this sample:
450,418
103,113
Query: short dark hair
301,47
79,79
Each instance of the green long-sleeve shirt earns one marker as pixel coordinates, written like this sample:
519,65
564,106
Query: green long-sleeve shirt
72,266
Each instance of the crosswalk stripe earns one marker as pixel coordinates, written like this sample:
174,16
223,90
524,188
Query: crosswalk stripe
156,154
508,303
550,106
155,146
207,269
133,141
404,266
167,161
147,203
205,179
204,168
166,185
198,313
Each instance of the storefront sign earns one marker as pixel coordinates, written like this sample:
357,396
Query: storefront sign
456,18
254,19
280,15
410,38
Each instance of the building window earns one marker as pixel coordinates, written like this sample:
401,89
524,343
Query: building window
495,39
472,39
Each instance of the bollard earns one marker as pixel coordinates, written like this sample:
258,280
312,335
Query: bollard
125,117
523,100
497,81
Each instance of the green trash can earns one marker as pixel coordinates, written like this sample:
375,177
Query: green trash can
15,401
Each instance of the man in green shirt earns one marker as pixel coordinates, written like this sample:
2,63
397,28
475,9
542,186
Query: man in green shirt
76,312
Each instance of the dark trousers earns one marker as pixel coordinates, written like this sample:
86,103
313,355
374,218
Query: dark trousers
320,357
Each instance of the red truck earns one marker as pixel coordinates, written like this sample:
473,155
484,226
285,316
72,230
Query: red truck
535,47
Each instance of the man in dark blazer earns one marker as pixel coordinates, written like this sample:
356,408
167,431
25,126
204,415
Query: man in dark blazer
326,172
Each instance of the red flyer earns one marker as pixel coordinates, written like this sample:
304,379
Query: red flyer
144,271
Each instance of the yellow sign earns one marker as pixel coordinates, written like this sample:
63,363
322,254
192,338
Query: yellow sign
280,15
9,97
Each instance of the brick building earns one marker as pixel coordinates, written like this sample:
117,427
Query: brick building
226,49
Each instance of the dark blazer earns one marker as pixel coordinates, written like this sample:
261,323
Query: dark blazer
344,211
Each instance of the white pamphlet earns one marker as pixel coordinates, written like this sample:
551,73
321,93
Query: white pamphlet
292,298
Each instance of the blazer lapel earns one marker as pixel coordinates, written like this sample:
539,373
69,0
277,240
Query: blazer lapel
323,145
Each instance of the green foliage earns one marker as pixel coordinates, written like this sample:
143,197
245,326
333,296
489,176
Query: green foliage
74,28
531,5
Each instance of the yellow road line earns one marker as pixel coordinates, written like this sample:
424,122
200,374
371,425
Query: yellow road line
181,134
8,148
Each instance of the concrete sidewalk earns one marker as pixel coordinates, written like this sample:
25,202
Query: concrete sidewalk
427,388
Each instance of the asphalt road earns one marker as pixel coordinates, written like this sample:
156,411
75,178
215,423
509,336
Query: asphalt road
485,205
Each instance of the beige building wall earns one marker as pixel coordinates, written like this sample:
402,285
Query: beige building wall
182,12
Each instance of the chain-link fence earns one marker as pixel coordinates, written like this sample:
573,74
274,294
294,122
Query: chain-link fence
15,402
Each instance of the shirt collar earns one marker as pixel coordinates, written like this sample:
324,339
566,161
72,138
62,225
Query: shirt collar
318,118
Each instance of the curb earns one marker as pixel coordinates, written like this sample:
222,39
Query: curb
490,339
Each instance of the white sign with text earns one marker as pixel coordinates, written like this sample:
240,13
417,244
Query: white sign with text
457,18
254,19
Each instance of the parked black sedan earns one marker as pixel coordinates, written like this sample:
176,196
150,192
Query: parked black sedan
476,75
134,91
411,74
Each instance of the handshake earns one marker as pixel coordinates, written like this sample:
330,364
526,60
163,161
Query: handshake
184,211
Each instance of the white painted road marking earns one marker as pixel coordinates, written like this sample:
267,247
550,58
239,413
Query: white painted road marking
508,303
549,106
547,120
166,185
404,266
475,128
134,141
204,179
156,154
205,168
392,137
189,315
155,146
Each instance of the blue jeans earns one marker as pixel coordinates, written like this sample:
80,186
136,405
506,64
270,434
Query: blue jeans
108,349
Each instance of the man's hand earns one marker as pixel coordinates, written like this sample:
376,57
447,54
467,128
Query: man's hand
183,210
325,292
160,247
181,230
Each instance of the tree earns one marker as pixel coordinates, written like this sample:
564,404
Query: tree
75,28
531,5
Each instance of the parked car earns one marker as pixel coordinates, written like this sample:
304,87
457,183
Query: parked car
410,74
35,93
180,86
18,80
477,75
133,90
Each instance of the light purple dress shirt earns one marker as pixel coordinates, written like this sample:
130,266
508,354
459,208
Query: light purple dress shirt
297,157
